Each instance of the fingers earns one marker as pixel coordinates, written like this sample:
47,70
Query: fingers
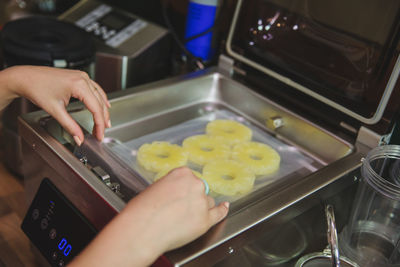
215,213
96,109
69,124
102,93
193,187
218,213
102,98
94,101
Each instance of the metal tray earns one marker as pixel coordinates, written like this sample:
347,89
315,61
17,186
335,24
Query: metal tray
172,111
292,159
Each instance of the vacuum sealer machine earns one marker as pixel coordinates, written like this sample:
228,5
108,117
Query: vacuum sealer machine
315,81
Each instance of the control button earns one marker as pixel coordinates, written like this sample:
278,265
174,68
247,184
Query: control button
35,214
54,255
44,223
52,233
61,263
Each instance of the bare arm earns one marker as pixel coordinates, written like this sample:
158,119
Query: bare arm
170,213
51,89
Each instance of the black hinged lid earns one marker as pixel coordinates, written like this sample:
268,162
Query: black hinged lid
342,53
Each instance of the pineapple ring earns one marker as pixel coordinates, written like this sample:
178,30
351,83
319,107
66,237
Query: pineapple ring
162,173
228,177
205,148
159,156
260,158
229,131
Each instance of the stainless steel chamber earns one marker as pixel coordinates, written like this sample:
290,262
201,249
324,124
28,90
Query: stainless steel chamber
321,119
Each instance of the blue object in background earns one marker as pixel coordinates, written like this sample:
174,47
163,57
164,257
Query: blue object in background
200,18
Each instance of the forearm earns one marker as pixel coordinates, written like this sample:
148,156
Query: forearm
168,214
126,241
7,87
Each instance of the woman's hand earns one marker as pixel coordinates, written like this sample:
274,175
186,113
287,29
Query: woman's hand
51,89
178,200
170,213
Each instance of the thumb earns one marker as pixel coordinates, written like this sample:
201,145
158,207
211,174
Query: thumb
218,213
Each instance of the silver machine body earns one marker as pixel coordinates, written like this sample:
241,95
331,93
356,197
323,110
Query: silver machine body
280,220
127,47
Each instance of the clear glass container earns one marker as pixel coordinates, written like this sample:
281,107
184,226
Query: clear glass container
372,235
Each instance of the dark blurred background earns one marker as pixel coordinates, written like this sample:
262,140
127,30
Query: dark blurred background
150,10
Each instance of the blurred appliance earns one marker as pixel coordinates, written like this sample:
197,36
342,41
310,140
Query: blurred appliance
200,18
41,41
316,81
129,50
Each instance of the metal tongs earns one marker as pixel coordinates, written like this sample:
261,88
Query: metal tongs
332,236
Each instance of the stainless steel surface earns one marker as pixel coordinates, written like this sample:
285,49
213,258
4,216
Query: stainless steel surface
168,104
105,177
330,255
164,104
45,156
332,236
290,234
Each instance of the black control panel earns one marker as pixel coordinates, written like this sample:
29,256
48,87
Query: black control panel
55,226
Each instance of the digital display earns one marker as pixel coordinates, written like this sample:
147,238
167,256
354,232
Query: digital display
115,21
109,25
64,247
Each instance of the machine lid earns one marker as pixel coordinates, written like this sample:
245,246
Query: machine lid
344,54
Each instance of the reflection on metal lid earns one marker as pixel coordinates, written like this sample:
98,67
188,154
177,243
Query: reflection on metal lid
323,50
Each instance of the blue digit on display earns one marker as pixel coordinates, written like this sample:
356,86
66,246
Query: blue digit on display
62,244
67,250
